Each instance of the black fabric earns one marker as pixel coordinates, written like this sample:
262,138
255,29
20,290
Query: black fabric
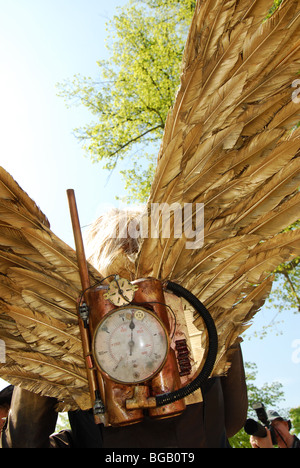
296,443
85,433
201,425
31,420
6,395
150,433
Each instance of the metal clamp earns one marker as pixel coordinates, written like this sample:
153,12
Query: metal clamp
84,314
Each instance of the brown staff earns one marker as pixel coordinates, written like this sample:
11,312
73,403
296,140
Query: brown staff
94,382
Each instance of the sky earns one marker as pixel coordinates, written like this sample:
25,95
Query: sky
43,42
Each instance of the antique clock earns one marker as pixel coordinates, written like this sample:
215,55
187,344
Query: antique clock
130,345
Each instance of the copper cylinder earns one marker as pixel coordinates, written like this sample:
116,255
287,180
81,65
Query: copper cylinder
167,380
116,394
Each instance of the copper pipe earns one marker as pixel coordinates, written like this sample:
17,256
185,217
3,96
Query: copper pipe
94,382
82,263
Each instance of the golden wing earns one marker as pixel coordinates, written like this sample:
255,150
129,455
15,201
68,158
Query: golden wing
39,288
231,144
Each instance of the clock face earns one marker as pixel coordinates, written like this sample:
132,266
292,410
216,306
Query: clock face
130,345
120,292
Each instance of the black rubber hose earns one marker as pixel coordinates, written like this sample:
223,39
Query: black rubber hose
208,366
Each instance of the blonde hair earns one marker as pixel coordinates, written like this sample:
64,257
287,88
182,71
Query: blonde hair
110,245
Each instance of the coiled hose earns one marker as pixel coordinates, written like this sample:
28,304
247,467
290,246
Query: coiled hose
208,366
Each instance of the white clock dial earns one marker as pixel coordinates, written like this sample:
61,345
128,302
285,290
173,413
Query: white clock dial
130,345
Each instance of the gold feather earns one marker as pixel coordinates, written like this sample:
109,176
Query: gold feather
10,190
287,117
56,291
36,384
34,300
13,240
51,369
44,242
37,326
59,255
269,196
17,216
283,215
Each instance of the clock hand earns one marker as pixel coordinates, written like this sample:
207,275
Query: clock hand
116,367
131,342
131,345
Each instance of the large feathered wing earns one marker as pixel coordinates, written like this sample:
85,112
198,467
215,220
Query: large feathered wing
231,144
228,144
39,289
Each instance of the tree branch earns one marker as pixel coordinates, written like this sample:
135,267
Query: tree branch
134,140
294,292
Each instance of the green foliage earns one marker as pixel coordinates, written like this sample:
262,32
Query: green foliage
276,4
138,182
295,419
269,394
136,87
62,422
286,293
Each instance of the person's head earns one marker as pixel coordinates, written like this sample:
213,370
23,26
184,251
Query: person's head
113,241
282,429
5,401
